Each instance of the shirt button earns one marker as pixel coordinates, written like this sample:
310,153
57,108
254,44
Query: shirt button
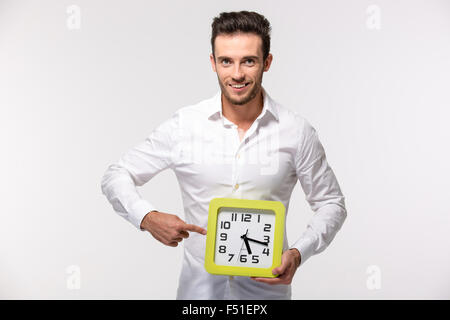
236,186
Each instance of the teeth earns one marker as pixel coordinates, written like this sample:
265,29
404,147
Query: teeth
238,85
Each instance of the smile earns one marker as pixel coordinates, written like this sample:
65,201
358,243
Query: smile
239,87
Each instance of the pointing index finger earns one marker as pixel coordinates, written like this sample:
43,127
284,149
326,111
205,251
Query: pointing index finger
194,228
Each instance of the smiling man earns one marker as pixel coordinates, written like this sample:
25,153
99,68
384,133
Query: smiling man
239,61
238,144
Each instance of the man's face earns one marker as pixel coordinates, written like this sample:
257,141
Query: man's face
239,66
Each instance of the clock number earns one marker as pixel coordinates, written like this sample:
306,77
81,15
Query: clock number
231,256
266,238
259,218
222,249
234,217
223,236
267,227
255,259
246,217
266,251
243,258
225,224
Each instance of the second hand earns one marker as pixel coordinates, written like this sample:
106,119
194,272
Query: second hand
241,247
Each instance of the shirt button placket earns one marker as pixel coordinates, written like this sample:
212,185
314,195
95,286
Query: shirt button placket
236,171
236,160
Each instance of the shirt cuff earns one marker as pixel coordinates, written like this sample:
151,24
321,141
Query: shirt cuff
138,212
306,248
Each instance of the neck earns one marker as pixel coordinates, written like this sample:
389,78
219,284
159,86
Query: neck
243,115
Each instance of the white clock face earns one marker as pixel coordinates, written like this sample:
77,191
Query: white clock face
244,237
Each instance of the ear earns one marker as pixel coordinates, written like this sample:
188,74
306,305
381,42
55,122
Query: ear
213,62
268,62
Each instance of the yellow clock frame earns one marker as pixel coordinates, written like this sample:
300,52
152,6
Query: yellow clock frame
215,204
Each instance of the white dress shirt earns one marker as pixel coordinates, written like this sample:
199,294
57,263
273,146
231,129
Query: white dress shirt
210,160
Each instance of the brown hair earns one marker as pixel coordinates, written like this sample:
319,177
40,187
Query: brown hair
243,21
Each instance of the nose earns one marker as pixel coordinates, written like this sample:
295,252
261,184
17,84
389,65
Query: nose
238,75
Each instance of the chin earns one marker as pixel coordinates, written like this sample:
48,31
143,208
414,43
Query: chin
241,101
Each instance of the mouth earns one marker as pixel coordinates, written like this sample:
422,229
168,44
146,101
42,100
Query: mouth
239,87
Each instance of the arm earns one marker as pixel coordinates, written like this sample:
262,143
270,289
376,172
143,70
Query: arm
135,168
326,200
323,194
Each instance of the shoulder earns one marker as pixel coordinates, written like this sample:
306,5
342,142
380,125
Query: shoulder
200,109
188,118
293,121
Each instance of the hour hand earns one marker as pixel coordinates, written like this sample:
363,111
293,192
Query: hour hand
247,245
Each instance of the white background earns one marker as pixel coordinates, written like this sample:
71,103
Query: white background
73,100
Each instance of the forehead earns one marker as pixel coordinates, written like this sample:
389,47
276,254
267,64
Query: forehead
238,44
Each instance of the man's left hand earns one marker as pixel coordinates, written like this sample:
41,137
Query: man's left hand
290,260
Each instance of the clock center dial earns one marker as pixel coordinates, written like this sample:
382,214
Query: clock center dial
244,237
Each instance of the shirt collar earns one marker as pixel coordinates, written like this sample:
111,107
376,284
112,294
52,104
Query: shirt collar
216,108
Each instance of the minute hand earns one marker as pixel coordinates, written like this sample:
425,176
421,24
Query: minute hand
257,241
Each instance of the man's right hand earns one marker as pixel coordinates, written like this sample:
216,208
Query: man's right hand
168,228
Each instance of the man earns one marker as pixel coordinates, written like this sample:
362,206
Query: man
239,143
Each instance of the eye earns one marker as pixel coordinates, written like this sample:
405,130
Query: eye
225,62
250,61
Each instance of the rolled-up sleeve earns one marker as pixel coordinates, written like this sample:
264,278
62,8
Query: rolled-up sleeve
135,168
322,192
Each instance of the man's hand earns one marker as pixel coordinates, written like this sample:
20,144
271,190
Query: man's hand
168,228
290,260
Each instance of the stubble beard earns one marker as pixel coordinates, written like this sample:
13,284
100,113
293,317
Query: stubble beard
243,99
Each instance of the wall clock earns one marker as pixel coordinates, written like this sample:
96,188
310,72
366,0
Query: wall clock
244,237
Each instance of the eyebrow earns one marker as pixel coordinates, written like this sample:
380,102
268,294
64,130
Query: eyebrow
244,58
